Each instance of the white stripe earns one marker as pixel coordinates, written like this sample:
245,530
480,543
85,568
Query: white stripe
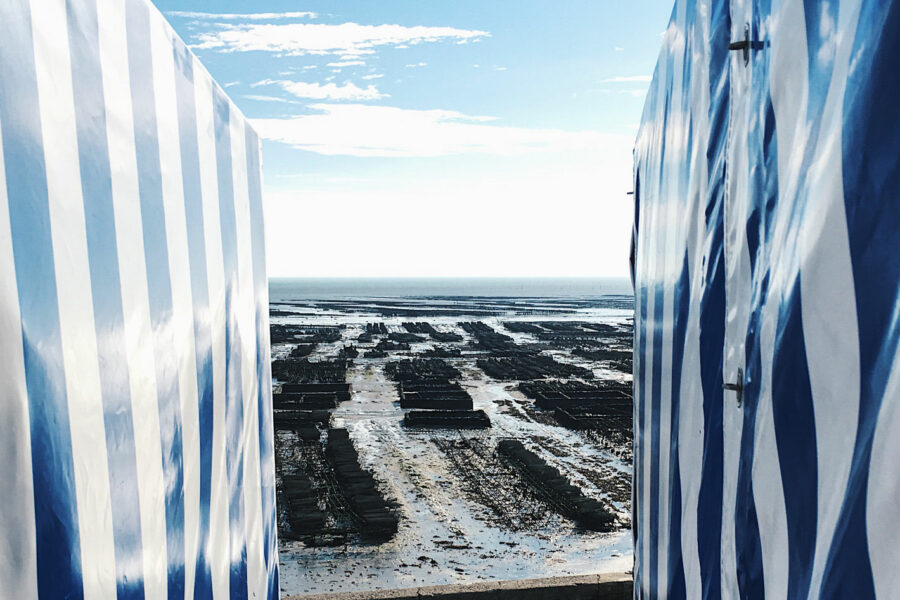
18,568
135,295
667,230
882,524
217,549
661,238
673,230
788,87
653,228
77,333
256,572
829,306
262,302
768,493
182,322
691,428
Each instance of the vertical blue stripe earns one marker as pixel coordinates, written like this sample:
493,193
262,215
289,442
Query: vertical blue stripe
871,145
640,448
196,241
655,403
681,299
748,544
821,19
712,308
795,438
234,410
56,518
263,374
158,283
712,334
96,187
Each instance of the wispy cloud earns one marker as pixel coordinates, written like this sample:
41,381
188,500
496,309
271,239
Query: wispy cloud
619,49
627,79
328,91
348,40
261,98
346,63
385,131
414,65
270,16
373,76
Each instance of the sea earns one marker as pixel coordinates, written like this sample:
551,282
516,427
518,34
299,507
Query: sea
287,289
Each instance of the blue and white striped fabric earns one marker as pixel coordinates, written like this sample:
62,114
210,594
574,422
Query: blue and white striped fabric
767,236
136,437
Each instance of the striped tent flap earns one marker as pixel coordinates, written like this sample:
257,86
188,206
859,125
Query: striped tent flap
767,282
135,396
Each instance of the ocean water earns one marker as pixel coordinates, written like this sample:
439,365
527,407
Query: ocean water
285,289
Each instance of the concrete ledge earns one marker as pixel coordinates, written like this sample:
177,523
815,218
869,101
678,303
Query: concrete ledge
609,586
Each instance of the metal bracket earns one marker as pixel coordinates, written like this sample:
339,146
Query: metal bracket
738,387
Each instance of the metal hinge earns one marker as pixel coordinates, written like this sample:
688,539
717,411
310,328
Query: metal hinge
746,45
738,387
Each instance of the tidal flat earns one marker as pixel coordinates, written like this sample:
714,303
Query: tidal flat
435,440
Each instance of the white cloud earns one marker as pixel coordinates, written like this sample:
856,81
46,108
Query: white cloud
330,91
627,79
499,68
414,65
373,76
241,16
349,40
261,98
619,49
365,130
346,63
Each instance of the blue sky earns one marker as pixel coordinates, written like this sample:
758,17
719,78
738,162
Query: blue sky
411,138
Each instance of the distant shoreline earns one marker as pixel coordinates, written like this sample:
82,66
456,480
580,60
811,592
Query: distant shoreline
281,288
